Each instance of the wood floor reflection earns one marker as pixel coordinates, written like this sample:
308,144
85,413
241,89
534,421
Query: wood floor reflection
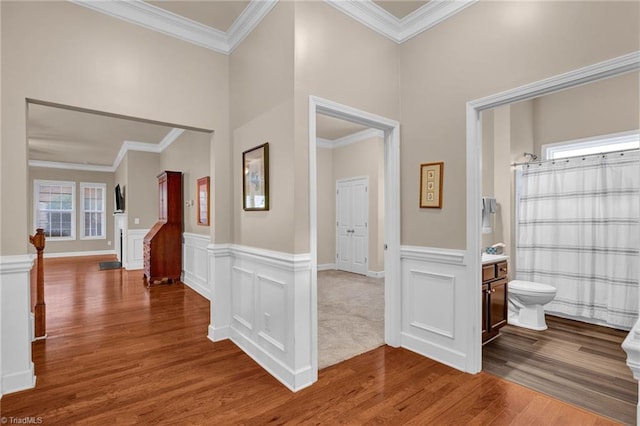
119,353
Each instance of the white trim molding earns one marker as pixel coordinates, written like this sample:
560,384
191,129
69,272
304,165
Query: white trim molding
393,273
157,19
400,30
593,144
16,368
366,12
470,300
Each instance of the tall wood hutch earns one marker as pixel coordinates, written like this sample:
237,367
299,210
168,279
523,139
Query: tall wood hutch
163,242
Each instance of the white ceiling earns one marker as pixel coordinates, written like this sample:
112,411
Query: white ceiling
67,136
334,128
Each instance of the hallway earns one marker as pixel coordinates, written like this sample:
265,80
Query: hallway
118,353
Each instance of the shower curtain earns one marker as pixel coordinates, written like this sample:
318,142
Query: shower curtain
578,231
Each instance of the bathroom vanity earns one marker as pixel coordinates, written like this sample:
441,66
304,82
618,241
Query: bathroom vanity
494,295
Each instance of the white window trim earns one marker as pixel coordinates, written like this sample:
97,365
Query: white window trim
36,191
103,186
550,150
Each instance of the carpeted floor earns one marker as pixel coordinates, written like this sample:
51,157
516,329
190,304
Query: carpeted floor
350,315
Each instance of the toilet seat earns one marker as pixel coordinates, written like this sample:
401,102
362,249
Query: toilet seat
530,287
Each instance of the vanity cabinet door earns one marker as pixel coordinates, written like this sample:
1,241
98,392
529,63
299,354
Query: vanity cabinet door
485,313
498,304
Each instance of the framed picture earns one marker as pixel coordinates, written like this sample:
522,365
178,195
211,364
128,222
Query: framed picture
431,185
203,200
255,169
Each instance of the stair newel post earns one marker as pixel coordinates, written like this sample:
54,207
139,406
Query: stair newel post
40,310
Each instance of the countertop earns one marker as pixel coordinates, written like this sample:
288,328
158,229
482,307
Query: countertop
492,258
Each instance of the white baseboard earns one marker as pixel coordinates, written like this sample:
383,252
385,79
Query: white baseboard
374,274
327,267
79,253
20,381
218,334
440,353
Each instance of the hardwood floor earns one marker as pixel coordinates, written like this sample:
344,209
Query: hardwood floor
579,363
119,353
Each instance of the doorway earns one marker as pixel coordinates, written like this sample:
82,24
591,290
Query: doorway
392,308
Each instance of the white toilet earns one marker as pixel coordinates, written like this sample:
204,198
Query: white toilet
526,303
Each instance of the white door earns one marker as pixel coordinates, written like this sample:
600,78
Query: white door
352,216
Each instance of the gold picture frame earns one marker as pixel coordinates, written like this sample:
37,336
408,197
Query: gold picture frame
255,178
202,191
431,178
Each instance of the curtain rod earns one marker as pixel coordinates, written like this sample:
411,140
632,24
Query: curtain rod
567,159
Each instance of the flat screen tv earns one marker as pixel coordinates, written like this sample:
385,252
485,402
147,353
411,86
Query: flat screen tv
119,200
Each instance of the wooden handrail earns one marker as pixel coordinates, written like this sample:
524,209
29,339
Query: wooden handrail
40,309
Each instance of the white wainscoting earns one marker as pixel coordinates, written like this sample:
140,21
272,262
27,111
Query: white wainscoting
269,294
134,256
431,325
16,368
195,263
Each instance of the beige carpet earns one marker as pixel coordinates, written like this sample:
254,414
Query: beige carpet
350,316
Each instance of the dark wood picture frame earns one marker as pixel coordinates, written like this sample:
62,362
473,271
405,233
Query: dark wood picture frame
255,178
203,197
431,178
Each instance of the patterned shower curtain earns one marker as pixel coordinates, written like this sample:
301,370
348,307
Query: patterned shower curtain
578,230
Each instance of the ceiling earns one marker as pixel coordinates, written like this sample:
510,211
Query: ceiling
400,8
215,14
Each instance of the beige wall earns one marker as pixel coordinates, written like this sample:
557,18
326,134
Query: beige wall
261,70
189,154
326,207
600,108
78,245
141,195
64,53
364,158
343,61
487,48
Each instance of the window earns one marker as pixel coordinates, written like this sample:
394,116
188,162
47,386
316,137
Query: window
54,204
92,217
595,145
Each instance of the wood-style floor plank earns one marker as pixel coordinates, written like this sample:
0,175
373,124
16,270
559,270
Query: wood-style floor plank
579,363
119,353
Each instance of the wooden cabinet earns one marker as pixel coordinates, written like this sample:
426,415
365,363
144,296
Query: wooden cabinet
163,242
494,299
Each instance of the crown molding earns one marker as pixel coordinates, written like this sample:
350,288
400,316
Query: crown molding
71,166
157,19
349,139
248,21
428,16
127,146
400,30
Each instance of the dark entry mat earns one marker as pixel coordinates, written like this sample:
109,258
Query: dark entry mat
110,265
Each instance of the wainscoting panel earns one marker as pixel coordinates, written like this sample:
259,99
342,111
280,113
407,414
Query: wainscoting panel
195,263
135,248
272,305
243,296
440,318
431,324
269,296
17,370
